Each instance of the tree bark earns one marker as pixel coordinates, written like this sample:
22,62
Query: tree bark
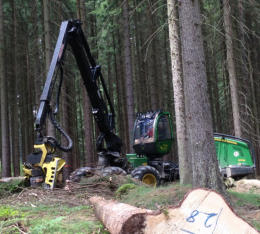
197,107
14,88
67,126
120,96
143,73
6,160
219,125
139,79
152,53
184,159
87,110
255,113
231,68
88,130
29,99
37,69
168,93
128,73
48,54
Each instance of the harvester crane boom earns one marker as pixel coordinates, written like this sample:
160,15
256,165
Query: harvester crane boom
43,164
72,34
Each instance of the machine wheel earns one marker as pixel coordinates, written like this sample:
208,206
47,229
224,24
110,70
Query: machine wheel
147,174
107,171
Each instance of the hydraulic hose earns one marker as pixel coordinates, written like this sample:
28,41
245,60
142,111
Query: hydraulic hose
62,131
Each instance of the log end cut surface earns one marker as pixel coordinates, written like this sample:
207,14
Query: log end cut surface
119,217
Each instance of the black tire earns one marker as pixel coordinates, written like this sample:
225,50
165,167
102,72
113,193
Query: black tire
107,171
147,174
76,175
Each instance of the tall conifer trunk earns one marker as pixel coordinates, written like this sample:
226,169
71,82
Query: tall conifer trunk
152,53
6,161
128,72
48,54
184,159
36,68
197,107
14,110
87,110
231,67
67,126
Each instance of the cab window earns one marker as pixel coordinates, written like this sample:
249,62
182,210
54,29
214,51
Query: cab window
163,129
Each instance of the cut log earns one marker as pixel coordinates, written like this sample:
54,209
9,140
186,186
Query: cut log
247,185
119,217
201,211
11,179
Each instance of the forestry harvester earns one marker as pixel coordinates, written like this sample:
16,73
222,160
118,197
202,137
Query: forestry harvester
153,131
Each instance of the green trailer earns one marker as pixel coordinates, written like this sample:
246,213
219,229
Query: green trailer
235,155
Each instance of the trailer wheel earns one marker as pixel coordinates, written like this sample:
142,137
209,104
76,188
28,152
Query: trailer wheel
147,174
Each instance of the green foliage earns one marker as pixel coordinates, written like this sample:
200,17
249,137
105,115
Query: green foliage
61,218
103,9
243,199
130,180
9,217
247,200
55,210
8,212
47,225
106,14
256,224
124,189
165,212
153,198
11,187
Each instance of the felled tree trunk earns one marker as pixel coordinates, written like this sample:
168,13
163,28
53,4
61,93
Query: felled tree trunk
202,211
11,179
119,217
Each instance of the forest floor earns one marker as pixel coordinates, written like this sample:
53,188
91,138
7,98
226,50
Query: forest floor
35,210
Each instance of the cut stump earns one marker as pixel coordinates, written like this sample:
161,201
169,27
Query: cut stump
201,211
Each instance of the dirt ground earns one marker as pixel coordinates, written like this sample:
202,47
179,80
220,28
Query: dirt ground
73,194
77,194
72,200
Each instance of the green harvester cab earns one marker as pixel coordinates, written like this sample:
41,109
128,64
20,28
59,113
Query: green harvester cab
153,134
153,137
